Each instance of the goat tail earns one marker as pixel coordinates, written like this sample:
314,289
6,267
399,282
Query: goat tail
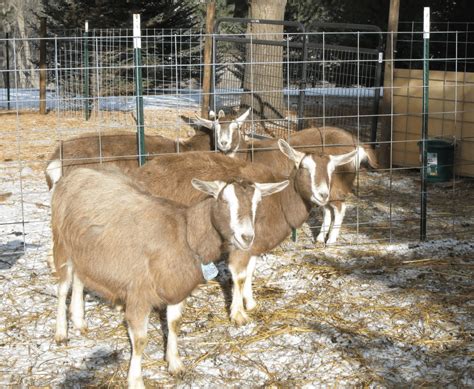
53,173
367,154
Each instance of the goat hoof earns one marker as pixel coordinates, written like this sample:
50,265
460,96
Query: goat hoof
60,339
176,368
319,244
240,318
136,384
250,304
81,331
79,324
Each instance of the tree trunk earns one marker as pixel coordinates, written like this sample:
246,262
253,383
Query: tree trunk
263,78
27,66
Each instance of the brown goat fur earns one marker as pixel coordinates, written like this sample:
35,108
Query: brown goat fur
119,149
169,176
321,143
102,220
316,140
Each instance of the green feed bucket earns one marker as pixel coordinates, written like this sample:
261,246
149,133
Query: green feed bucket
439,159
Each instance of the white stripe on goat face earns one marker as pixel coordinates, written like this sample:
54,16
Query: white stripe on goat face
225,136
242,226
320,178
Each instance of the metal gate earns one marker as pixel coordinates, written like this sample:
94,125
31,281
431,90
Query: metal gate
262,71
326,78
344,76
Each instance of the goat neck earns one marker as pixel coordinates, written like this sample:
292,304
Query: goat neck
203,238
295,208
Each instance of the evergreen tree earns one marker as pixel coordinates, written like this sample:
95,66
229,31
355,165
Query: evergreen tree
160,51
166,14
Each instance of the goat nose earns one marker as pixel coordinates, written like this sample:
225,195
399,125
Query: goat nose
224,143
248,238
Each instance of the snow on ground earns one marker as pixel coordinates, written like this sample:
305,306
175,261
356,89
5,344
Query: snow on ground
374,314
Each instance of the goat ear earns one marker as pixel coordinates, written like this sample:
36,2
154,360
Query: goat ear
204,122
212,115
342,159
268,189
290,152
221,114
212,188
241,119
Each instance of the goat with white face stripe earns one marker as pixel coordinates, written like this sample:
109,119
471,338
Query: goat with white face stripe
242,199
314,178
94,214
228,134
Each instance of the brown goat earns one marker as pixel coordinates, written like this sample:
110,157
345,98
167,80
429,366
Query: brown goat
118,149
115,238
326,144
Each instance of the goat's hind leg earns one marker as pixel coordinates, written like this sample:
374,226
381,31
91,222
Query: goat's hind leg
173,318
65,277
137,319
76,308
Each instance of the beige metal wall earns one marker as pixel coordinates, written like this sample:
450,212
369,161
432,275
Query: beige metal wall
451,113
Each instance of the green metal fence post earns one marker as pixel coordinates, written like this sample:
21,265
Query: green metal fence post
86,90
424,125
137,54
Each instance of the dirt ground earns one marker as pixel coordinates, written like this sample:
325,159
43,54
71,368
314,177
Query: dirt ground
380,309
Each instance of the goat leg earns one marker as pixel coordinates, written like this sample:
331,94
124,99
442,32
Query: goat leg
65,278
173,318
250,303
137,320
339,209
326,225
238,262
76,308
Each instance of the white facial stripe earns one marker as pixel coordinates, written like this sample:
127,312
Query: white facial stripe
238,227
229,195
331,168
225,137
256,198
323,187
217,129
309,164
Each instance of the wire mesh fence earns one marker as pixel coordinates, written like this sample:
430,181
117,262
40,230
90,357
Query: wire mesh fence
292,79
413,326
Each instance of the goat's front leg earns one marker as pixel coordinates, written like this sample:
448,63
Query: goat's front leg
238,261
76,308
137,320
326,225
173,318
250,303
65,278
339,209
